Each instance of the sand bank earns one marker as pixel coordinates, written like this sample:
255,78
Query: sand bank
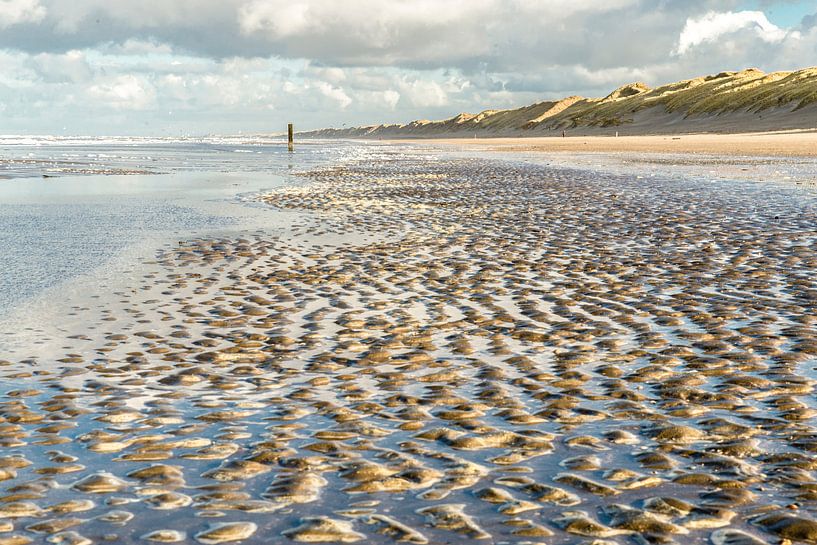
791,144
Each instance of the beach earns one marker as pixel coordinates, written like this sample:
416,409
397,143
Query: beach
761,144
504,341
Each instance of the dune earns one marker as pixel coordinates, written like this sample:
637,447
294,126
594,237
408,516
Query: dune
729,102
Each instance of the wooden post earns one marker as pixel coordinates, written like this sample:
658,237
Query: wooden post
290,137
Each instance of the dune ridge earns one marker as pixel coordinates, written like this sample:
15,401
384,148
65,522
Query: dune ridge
729,102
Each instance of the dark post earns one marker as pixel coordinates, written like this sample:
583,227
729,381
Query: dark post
290,137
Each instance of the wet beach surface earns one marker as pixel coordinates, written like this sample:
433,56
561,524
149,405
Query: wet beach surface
439,350
60,219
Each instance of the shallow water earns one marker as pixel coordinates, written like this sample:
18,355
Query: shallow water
72,223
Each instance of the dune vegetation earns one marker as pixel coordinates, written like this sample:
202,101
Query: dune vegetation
725,102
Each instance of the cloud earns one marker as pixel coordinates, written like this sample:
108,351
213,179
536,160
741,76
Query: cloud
335,93
125,92
15,12
423,93
71,66
139,47
809,21
713,25
229,65
277,19
98,17
409,33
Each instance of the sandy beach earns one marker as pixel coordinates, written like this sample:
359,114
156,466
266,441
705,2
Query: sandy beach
408,272
766,144
440,349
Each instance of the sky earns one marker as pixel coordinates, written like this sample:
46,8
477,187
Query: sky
194,67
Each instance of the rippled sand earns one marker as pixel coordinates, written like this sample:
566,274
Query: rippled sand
442,351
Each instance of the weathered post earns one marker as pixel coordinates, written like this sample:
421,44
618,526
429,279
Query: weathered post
290,137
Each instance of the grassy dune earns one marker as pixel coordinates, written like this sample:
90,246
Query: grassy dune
727,102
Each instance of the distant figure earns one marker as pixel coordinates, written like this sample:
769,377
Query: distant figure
564,133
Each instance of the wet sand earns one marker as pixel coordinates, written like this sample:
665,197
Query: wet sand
766,144
441,350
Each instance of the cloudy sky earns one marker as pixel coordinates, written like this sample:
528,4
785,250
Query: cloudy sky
227,66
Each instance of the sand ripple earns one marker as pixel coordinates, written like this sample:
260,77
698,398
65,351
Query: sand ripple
441,350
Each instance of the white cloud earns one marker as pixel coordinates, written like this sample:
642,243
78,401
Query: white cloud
423,93
279,18
333,75
713,25
124,92
16,72
335,93
71,66
14,12
175,88
390,98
